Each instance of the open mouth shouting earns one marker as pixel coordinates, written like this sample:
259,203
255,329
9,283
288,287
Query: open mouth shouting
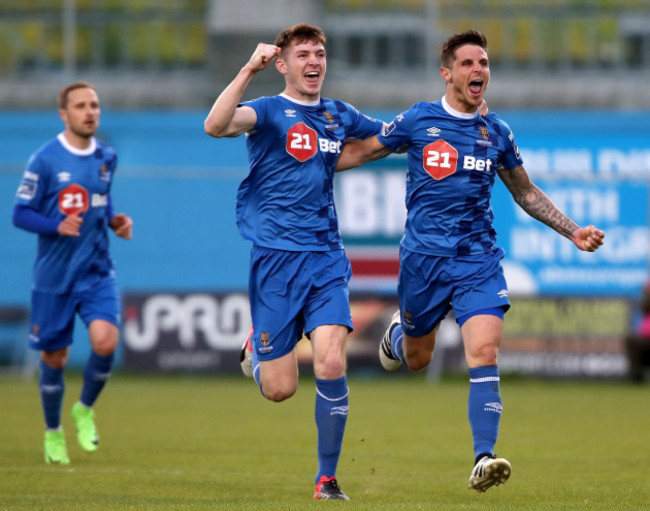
476,88
312,77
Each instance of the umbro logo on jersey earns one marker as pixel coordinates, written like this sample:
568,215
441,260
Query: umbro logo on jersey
433,132
290,113
503,293
63,177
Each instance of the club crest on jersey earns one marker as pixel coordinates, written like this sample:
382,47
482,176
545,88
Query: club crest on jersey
104,174
330,119
483,132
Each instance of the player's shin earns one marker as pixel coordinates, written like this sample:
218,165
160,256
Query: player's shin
484,408
96,373
52,387
331,416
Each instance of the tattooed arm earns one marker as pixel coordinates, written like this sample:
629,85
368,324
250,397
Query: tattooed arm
537,204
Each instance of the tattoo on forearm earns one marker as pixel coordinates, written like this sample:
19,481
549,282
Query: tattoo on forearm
383,152
537,204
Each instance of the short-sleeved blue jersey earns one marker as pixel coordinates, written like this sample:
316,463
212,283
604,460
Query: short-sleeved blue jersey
59,180
452,162
286,202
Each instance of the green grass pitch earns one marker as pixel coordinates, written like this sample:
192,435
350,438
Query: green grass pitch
185,443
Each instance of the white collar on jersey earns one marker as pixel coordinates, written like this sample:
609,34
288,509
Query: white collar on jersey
303,103
456,113
74,150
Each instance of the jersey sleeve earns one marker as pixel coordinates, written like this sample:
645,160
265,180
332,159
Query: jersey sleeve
27,219
358,125
510,157
33,183
260,107
397,134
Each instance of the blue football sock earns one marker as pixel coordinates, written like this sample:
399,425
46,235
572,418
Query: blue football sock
97,371
484,408
52,388
331,415
396,339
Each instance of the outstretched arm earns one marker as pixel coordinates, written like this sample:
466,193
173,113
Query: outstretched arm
225,118
537,204
358,152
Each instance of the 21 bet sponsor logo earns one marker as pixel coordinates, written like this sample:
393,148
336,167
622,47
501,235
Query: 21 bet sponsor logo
303,142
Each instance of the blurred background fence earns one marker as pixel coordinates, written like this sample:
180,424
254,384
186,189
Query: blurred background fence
570,76
177,53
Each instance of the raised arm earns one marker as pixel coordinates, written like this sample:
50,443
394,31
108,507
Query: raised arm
537,204
358,152
225,118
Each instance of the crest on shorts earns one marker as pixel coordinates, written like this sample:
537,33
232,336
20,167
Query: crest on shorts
483,132
264,338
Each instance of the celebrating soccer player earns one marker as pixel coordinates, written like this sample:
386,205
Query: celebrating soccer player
64,197
448,255
299,271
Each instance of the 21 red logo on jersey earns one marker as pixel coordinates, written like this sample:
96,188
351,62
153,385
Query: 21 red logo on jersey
73,199
302,142
439,159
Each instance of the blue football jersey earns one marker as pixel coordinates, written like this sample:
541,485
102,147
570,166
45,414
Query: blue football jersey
59,180
452,163
286,202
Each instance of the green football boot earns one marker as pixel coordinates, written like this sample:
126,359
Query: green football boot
55,450
86,430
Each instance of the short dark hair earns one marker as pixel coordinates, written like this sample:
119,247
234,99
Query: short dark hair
65,92
451,44
300,33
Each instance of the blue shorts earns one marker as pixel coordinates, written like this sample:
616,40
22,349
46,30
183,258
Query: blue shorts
429,286
292,292
53,314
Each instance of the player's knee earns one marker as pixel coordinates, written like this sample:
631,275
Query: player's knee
105,347
418,361
484,355
55,359
331,367
278,393
104,338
